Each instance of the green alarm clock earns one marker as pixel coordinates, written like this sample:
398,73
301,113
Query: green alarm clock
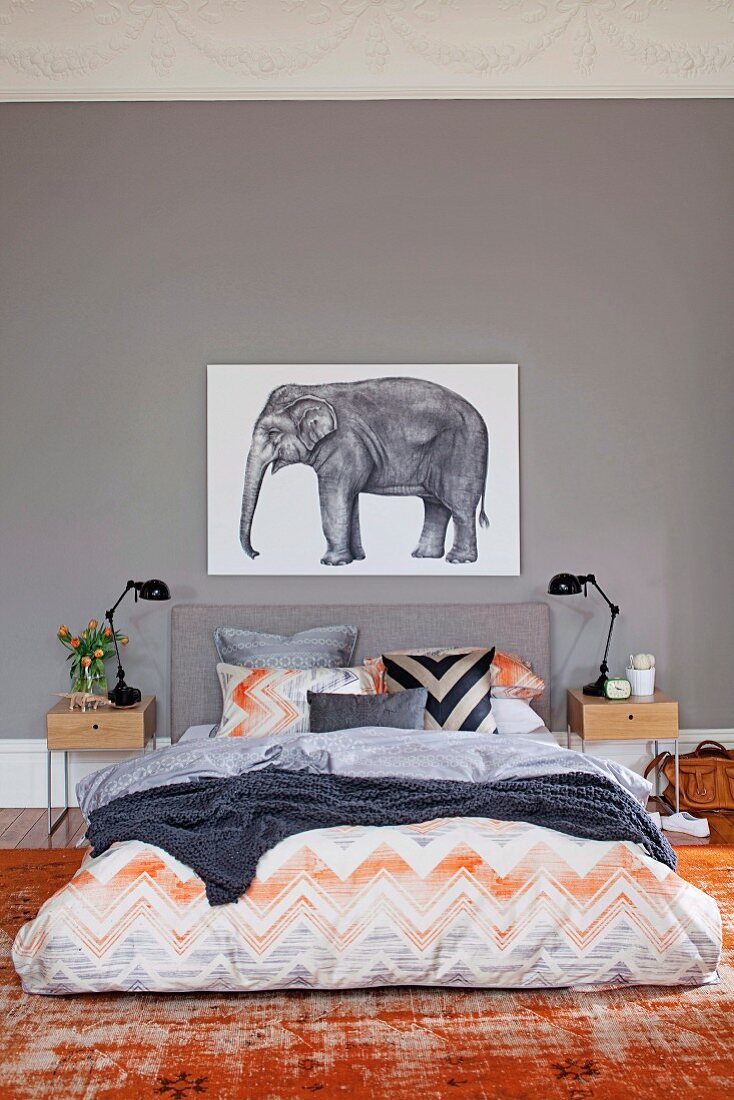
617,688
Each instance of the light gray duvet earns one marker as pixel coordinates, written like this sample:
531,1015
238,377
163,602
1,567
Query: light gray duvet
369,751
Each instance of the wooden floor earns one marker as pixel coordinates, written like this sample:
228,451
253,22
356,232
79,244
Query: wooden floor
29,829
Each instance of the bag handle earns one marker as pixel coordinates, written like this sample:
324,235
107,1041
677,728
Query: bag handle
661,759
716,744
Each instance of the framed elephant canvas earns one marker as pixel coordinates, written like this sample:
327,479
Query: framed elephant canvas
377,470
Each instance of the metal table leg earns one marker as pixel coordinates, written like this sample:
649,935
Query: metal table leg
657,773
51,823
677,779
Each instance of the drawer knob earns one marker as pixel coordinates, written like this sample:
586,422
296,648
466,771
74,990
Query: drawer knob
96,727
630,716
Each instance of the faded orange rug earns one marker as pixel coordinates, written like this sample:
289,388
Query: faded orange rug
414,1044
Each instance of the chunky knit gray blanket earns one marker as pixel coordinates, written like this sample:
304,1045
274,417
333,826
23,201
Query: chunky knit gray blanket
221,827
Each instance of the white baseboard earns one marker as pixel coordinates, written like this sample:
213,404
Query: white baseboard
23,763
23,771
637,754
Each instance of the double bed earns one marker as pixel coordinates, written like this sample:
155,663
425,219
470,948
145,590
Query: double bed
455,901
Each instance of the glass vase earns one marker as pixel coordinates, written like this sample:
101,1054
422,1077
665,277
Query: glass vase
89,682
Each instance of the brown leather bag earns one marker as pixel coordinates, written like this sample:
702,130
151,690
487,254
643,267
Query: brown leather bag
706,777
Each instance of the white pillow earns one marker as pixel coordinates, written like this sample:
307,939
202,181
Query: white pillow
515,716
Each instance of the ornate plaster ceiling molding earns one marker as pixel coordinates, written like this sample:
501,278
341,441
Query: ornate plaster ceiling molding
364,49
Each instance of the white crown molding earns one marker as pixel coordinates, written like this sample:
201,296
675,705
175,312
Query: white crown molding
70,50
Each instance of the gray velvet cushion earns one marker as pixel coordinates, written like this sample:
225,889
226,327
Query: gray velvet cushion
320,647
403,711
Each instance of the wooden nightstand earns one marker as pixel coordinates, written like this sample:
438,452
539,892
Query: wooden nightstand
103,730
639,718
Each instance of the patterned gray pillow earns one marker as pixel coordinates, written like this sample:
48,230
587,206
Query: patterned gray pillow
320,647
402,711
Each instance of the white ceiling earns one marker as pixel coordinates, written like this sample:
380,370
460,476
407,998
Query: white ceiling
364,49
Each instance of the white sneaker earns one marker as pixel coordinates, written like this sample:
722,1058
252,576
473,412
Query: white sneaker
654,817
686,823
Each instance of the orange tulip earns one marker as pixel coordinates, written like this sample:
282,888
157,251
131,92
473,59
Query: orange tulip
84,633
108,632
92,624
99,653
75,643
124,639
86,661
63,631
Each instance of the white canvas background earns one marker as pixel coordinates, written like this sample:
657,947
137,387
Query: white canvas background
287,525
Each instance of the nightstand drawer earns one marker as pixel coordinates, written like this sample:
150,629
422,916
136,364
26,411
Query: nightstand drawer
103,728
594,719
628,719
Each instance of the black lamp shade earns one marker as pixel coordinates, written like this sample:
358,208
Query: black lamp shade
154,590
564,584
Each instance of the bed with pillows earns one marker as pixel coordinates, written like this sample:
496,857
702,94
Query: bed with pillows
563,881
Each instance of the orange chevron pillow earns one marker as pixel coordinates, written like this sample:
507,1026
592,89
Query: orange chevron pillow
512,678
264,702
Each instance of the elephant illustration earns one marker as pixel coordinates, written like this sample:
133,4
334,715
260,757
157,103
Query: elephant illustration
389,436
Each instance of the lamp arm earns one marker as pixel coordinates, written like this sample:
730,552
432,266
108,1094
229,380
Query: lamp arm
128,587
591,579
614,609
604,667
109,615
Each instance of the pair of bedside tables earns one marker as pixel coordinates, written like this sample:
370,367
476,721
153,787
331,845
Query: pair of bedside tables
105,730
639,718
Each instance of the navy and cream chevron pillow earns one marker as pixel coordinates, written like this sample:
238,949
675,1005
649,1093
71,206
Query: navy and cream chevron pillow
458,682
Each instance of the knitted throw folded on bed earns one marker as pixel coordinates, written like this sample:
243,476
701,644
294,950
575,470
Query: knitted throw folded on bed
221,827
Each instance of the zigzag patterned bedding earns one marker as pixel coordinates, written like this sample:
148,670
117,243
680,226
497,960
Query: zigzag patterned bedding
463,902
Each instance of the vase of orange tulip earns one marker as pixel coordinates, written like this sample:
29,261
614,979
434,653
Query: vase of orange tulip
88,652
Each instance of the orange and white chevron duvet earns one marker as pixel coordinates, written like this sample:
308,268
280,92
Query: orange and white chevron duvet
464,902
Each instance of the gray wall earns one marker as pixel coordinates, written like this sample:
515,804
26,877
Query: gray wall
590,241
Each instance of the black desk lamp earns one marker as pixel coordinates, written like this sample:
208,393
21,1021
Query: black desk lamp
569,584
122,695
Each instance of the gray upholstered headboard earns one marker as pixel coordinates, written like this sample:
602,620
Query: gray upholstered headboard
521,628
